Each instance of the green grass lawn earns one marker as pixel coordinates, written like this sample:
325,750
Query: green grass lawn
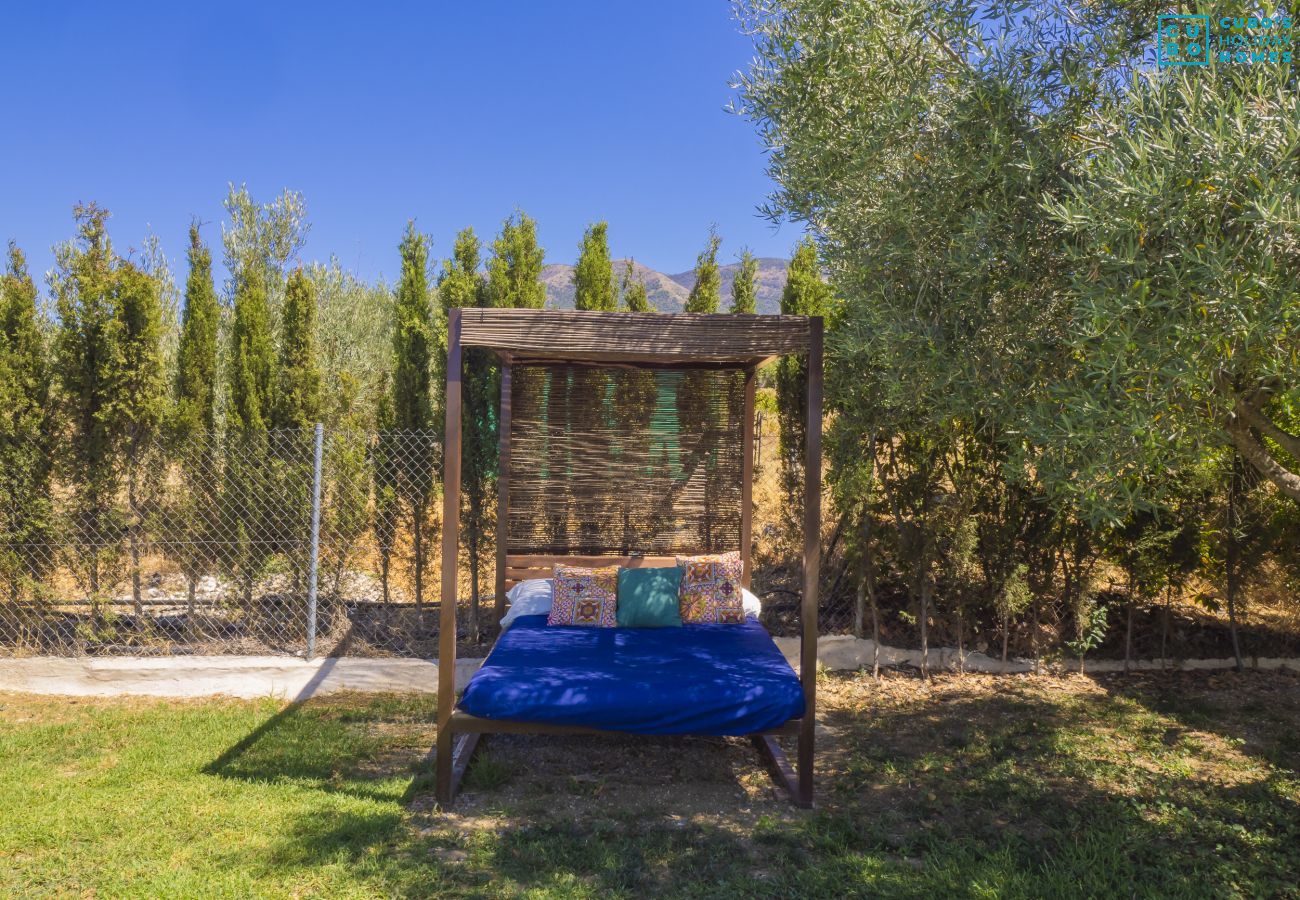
1185,785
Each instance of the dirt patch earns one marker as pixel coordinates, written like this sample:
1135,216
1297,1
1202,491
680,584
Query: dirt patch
676,779
904,746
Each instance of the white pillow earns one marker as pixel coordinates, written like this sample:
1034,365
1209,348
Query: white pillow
528,598
533,598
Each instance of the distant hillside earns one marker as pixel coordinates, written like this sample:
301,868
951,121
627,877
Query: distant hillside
668,293
771,282
665,294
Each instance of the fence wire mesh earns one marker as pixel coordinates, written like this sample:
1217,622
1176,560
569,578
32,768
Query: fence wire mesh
204,546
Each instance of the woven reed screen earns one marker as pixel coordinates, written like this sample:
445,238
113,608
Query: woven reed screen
624,460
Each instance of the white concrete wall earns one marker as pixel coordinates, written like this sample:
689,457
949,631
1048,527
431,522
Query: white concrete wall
842,652
234,676
291,678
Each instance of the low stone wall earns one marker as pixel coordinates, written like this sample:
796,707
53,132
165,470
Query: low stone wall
291,679
843,652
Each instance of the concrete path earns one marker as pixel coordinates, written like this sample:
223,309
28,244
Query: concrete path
234,676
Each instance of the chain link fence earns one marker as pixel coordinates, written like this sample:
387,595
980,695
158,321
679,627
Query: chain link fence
313,542
308,541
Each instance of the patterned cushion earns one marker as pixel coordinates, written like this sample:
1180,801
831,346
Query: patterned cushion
585,597
710,590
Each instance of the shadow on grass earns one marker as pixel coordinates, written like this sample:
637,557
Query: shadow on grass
1081,794
1010,791
1258,711
1003,793
353,748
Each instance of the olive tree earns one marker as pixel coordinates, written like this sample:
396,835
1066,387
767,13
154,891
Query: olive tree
917,144
1182,240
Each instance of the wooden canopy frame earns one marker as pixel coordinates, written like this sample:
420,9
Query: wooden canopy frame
619,340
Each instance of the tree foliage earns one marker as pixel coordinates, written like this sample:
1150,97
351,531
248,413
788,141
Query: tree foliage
1182,247
414,336
479,449
632,290
593,276
110,382
460,284
414,342
26,433
744,290
267,235
515,266
194,414
706,292
139,396
354,341
251,361
1063,284
298,388
805,294
195,408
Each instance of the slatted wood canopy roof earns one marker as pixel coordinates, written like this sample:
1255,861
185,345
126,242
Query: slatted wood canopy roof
680,339
596,460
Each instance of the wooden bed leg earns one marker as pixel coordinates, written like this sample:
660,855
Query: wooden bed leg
461,756
454,753
445,792
778,766
805,795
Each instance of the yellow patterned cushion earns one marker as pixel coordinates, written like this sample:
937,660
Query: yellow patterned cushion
585,597
710,591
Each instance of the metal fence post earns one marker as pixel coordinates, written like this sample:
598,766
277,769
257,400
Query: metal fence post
315,542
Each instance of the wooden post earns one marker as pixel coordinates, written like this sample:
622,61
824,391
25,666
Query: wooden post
450,544
747,476
503,486
812,518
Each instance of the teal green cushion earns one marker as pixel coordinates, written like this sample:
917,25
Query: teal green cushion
647,598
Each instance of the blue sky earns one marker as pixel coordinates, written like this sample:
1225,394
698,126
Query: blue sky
454,113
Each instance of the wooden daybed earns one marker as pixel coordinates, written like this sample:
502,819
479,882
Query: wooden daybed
625,438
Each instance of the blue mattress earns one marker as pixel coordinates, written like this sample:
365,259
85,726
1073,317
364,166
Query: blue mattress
696,679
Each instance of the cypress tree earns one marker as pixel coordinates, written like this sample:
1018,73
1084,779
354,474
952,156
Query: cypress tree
249,488
195,414
706,293
196,364
295,408
805,294
252,354
516,264
26,432
85,351
633,291
514,270
460,285
692,391
593,276
138,391
384,468
414,337
297,397
744,290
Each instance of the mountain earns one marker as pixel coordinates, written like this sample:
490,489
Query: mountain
668,293
665,294
771,282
